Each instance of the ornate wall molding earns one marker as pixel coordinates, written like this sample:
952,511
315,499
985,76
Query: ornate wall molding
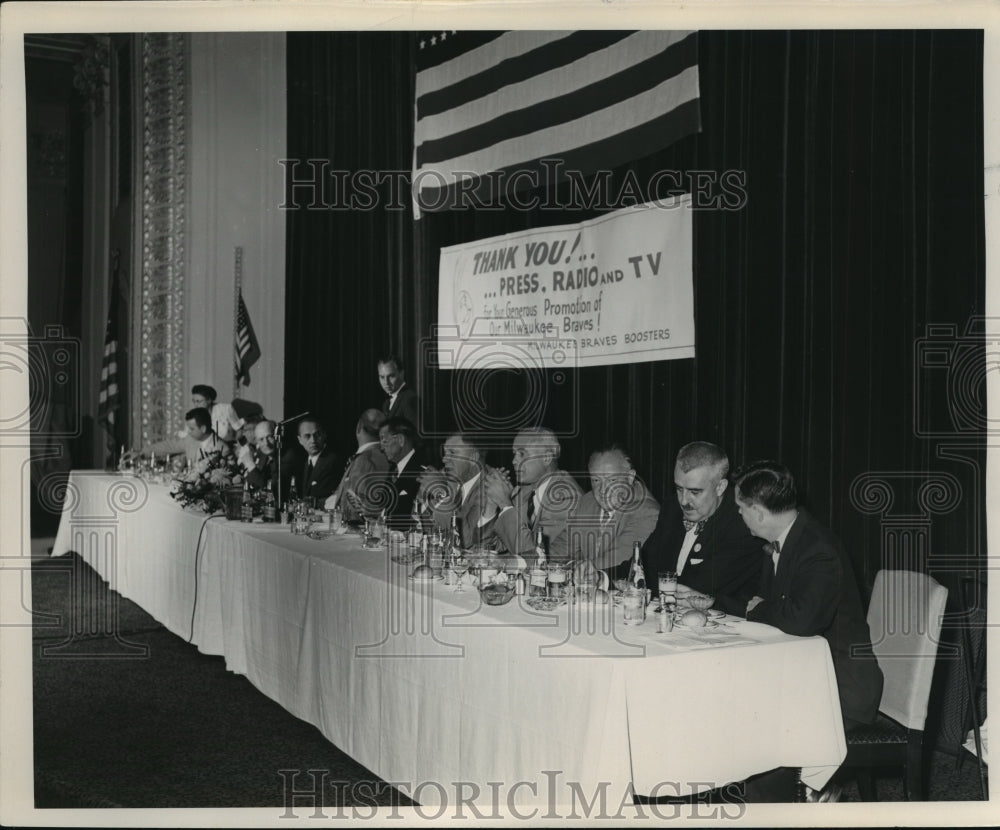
160,387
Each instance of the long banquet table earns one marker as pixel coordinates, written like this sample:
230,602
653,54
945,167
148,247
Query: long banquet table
444,696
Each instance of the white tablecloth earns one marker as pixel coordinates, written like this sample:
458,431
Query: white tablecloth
445,697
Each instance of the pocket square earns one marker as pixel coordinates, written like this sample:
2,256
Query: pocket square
696,561
403,493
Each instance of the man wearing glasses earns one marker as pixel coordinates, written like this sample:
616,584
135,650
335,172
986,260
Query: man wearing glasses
617,511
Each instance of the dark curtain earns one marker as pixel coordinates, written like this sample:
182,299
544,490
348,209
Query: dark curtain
863,226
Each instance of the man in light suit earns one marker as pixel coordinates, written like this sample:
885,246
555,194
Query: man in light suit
700,536
807,585
261,464
402,401
320,473
544,497
460,489
617,511
362,489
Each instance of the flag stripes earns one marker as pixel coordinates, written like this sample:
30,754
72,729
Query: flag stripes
593,100
247,349
108,400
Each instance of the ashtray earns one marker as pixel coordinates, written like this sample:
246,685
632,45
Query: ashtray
497,593
319,535
545,603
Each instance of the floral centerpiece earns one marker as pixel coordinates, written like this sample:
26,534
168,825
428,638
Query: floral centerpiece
203,486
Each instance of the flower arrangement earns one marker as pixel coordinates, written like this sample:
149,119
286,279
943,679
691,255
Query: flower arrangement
203,485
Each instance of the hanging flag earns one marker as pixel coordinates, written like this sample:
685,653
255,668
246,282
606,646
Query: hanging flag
511,104
108,400
247,348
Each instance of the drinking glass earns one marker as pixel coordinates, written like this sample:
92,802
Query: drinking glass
667,583
460,565
634,606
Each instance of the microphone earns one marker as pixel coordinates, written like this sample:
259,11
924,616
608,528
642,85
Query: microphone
294,418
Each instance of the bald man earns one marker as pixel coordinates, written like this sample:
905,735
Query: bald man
543,498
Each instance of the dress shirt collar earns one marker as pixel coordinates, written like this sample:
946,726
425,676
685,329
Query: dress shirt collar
401,464
540,489
781,542
467,487
394,395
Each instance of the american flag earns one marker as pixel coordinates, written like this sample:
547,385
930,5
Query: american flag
501,102
108,400
247,348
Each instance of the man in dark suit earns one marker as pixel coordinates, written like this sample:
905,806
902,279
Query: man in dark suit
321,470
398,438
362,491
402,401
617,511
544,497
700,536
807,585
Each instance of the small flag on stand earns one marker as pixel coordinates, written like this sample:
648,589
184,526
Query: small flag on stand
247,348
108,400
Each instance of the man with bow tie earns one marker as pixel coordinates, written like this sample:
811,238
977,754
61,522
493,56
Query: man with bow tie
320,473
545,497
807,585
617,511
701,536
362,490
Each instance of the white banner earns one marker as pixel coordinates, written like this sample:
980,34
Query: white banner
616,289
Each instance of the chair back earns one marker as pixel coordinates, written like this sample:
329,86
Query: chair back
904,618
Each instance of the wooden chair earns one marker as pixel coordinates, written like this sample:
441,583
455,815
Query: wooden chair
904,618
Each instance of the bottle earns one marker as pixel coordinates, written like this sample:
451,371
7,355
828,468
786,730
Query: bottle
456,535
537,578
636,575
540,546
246,509
291,503
270,511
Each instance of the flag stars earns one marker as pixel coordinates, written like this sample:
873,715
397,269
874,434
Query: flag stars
434,41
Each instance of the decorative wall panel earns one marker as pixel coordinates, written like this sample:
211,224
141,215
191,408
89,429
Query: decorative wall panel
160,387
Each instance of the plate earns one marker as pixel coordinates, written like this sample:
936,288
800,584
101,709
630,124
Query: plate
709,624
545,603
433,578
715,613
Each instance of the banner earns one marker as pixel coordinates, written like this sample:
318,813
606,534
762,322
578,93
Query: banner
616,289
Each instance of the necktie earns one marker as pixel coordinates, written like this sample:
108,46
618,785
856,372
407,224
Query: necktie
773,549
531,509
606,517
696,526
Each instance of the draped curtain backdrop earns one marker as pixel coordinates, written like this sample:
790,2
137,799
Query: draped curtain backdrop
863,158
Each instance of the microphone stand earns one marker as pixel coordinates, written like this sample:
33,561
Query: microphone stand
279,432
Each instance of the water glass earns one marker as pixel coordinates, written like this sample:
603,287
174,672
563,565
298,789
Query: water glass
558,581
634,606
667,583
